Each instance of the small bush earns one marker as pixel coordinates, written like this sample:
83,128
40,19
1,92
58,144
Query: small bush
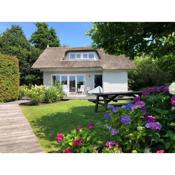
23,91
9,78
40,94
54,93
36,93
51,95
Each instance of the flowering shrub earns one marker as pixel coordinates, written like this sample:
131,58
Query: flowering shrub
85,140
41,93
145,125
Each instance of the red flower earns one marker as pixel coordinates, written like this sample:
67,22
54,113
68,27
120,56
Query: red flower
77,142
60,137
90,126
68,150
160,151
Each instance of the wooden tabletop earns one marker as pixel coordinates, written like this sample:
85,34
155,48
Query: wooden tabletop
118,93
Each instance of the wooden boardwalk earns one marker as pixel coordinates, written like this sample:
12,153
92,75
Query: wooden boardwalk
16,135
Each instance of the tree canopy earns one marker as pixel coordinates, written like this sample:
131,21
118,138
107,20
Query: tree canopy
44,36
14,42
134,38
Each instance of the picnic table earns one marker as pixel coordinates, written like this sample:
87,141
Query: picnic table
107,97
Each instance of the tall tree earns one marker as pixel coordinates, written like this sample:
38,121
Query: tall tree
44,36
132,39
13,42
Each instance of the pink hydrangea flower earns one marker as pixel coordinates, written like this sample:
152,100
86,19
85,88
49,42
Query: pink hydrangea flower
111,144
77,142
173,100
60,137
68,150
90,126
160,151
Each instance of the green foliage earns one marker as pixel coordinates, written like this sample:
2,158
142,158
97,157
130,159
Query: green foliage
135,136
44,36
36,93
134,38
64,116
40,94
13,42
90,142
9,78
131,136
23,91
146,73
53,94
167,64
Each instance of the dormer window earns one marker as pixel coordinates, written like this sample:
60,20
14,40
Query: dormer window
82,56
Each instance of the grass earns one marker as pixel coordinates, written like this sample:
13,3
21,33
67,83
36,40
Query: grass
48,119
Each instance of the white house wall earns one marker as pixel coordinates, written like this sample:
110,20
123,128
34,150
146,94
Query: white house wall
115,81
89,77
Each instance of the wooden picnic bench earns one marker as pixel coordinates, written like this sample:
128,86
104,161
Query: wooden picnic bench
105,98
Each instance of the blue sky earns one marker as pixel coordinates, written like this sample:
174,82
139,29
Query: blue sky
69,33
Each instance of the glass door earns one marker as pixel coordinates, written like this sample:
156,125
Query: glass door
80,84
72,84
98,81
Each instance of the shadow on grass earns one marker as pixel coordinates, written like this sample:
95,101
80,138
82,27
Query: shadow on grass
49,125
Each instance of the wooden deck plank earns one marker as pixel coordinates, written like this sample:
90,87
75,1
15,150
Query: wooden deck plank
16,135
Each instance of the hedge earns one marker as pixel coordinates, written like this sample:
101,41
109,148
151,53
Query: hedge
9,78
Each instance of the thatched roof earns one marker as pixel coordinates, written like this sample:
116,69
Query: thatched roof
54,57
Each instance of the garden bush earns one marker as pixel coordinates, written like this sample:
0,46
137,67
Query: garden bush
53,94
147,73
22,91
40,94
9,78
36,93
147,125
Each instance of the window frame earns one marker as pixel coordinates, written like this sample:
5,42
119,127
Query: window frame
95,56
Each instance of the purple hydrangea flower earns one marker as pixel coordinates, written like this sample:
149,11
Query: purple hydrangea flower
114,131
173,100
107,116
158,89
153,125
114,109
136,99
149,118
140,104
164,88
125,120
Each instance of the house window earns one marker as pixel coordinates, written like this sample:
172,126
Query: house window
72,56
78,55
82,56
91,56
56,79
64,80
85,56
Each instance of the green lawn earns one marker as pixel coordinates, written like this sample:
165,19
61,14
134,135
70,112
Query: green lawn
48,119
